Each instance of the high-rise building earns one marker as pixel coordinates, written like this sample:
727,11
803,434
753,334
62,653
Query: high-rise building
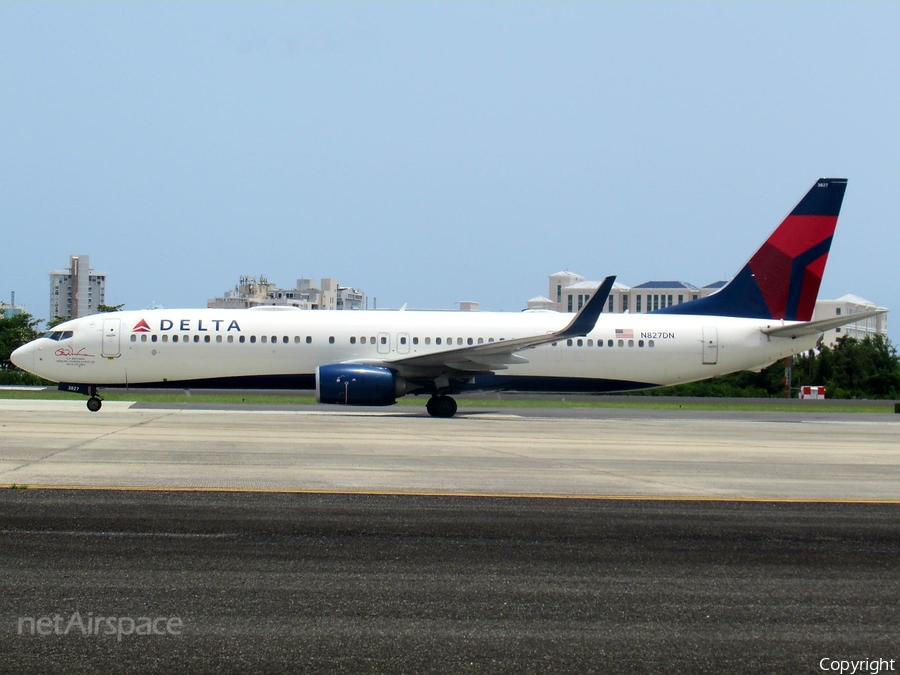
77,291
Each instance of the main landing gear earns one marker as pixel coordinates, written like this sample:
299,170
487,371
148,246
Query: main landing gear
441,406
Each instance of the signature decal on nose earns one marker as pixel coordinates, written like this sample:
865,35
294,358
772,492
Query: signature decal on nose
69,351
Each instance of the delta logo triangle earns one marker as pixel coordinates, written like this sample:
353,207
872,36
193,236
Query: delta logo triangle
141,327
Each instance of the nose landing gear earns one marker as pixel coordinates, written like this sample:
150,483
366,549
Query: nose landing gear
93,403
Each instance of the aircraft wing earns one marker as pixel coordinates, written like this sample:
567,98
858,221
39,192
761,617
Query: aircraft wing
493,356
795,330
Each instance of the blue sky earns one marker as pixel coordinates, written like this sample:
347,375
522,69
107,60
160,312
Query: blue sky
431,153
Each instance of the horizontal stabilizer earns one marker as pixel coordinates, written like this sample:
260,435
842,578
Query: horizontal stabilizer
796,330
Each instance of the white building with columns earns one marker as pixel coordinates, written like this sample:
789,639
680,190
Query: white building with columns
570,291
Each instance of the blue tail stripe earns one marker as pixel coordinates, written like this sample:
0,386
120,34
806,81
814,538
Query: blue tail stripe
741,297
798,269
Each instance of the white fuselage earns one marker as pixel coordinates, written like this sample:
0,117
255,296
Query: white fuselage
192,345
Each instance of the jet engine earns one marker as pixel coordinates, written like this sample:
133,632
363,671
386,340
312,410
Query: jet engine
358,384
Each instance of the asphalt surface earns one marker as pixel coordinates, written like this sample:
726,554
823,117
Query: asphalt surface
273,582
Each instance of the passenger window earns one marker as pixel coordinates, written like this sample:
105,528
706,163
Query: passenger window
481,341
252,339
384,340
428,341
469,341
262,339
402,340
174,338
285,340
609,343
133,338
165,338
218,339
242,339
230,339
331,339
353,341
415,340
206,338
196,338
309,339
459,341
621,343
568,343
437,341
153,338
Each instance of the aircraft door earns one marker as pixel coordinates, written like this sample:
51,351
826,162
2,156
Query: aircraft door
710,345
403,343
384,343
111,332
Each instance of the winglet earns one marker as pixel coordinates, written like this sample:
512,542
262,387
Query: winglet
586,319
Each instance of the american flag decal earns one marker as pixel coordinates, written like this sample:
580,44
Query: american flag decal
625,333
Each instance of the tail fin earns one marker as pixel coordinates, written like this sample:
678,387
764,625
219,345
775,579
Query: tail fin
781,280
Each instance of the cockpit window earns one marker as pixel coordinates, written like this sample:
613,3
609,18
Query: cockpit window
58,335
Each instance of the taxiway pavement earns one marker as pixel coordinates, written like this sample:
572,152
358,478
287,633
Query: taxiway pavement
598,453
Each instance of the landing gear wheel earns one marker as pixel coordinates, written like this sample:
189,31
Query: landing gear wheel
94,403
441,406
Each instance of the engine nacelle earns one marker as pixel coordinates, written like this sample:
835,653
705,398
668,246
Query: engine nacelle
358,384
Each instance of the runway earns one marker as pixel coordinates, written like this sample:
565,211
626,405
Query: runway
285,582
571,453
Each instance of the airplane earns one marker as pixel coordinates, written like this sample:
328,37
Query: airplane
372,358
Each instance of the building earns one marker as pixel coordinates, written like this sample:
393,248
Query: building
11,309
253,292
76,291
847,305
571,293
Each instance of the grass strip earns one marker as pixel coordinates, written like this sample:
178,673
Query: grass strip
637,402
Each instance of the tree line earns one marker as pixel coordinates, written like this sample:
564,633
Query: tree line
867,368
853,368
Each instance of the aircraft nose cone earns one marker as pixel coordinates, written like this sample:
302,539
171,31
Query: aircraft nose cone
23,357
